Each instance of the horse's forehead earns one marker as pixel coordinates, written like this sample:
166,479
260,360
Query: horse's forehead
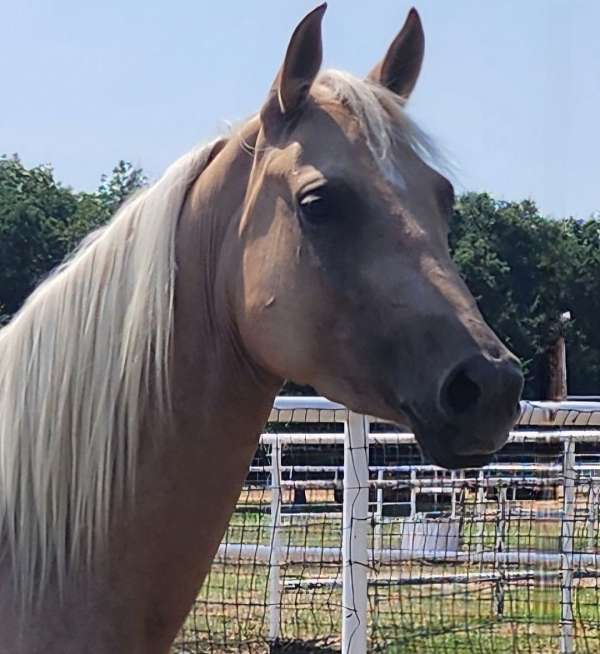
374,146
327,137
330,123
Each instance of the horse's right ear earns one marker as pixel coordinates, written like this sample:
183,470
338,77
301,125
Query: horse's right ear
301,64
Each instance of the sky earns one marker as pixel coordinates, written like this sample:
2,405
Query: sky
509,89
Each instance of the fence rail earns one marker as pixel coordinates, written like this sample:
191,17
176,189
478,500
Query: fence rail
509,554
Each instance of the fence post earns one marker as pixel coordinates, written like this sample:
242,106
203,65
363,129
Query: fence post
567,535
275,553
355,552
378,530
592,515
501,547
453,496
557,362
480,512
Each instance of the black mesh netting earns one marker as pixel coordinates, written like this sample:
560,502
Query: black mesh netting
503,559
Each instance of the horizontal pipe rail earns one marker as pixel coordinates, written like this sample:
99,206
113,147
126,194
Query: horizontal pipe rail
238,552
546,414
427,580
407,469
408,438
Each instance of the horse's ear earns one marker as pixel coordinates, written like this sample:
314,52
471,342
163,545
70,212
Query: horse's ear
302,62
399,69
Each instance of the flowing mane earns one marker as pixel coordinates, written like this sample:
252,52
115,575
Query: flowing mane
89,346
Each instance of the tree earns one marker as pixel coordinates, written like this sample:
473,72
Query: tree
41,221
33,213
525,270
124,180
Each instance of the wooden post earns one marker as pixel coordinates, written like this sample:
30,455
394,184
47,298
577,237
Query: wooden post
557,363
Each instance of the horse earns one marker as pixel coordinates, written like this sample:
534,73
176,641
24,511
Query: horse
308,244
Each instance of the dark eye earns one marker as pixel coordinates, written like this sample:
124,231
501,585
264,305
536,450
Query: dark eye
314,207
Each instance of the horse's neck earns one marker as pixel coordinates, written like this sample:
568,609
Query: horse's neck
191,471
216,385
209,259
191,480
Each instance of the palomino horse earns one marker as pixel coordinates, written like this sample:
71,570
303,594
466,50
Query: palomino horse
135,381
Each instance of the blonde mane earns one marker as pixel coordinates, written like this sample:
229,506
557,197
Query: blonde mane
88,349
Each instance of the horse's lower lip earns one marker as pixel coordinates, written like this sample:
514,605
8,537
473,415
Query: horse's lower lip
439,445
454,461
435,441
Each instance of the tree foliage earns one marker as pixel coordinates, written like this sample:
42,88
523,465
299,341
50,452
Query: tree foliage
523,268
41,221
124,180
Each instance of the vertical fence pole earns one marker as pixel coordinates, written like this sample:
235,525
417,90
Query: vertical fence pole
355,535
413,494
378,531
501,547
453,496
567,536
592,515
480,512
275,554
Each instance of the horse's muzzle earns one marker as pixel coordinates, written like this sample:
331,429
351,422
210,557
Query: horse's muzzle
477,406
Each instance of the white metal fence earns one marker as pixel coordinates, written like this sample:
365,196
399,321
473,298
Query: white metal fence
520,536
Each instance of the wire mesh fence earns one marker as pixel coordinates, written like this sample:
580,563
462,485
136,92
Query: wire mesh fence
501,559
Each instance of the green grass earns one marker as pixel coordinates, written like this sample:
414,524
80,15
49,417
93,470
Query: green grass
402,620
474,618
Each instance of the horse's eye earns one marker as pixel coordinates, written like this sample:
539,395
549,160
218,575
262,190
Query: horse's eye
314,207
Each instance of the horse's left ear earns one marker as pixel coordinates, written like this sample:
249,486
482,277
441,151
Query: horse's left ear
399,69
302,62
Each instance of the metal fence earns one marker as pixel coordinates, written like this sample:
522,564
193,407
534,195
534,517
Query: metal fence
345,540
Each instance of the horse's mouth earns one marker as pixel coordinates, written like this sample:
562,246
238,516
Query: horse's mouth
437,442
441,442
454,460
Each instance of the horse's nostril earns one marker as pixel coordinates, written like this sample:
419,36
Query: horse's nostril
462,393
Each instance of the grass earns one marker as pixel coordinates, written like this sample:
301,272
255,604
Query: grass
489,617
402,619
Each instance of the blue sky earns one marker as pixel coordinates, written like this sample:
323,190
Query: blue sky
510,89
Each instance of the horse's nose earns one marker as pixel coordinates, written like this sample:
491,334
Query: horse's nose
482,388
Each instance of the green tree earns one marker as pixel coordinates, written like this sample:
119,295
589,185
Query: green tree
41,221
525,270
34,210
124,180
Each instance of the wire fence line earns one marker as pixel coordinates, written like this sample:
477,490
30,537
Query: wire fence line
344,539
